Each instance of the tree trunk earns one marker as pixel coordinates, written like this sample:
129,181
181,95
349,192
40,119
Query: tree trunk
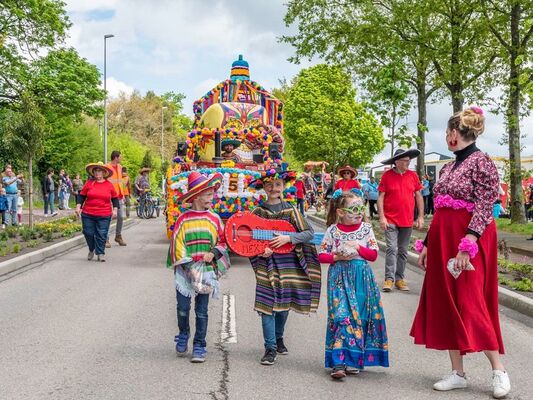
30,192
457,98
421,124
513,123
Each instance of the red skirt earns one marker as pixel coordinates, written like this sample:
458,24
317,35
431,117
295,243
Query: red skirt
459,314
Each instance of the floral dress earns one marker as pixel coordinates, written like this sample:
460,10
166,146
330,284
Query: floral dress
356,334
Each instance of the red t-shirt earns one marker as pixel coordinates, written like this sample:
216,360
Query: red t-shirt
347,185
98,198
300,189
399,201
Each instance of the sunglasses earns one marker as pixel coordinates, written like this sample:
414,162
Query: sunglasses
356,209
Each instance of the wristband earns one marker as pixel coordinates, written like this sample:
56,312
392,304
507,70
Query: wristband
419,246
468,246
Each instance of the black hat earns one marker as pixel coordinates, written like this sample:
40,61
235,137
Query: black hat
401,153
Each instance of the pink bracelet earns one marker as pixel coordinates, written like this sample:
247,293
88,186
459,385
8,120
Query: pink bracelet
468,246
419,246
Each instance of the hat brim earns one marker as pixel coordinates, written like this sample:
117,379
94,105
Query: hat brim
352,171
287,176
91,167
145,170
234,142
212,183
411,153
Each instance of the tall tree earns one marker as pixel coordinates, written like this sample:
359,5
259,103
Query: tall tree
511,24
324,122
26,128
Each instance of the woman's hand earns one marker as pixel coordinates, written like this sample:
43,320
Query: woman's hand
208,257
267,253
461,260
280,240
114,215
423,258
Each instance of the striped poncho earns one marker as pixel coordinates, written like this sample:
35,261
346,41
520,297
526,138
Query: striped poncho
287,281
195,234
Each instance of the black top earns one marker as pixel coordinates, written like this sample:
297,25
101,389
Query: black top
461,155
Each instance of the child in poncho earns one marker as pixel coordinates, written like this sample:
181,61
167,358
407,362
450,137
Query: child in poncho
356,336
283,281
197,239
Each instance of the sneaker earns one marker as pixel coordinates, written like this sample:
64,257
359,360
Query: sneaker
182,341
100,258
90,256
269,358
281,348
351,371
401,285
338,372
501,385
452,381
198,354
107,244
54,213
387,285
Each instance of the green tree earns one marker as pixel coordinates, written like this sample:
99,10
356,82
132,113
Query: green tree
324,122
25,129
511,24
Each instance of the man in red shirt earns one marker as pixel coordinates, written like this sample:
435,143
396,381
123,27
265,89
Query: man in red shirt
300,194
348,181
398,189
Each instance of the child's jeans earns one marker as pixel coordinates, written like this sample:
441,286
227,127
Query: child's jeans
183,308
273,327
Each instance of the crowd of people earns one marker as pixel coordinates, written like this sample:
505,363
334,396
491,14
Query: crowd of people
459,256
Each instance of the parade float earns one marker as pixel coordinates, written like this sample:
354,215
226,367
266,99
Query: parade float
238,131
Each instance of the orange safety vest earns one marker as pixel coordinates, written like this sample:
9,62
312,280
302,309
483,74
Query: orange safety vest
116,179
126,183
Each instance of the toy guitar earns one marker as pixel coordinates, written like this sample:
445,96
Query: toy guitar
249,235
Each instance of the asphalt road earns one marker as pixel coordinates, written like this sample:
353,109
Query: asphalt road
73,329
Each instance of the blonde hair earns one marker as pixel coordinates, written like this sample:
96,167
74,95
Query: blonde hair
470,123
340,202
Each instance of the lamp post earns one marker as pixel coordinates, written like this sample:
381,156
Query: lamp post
105,98
162,130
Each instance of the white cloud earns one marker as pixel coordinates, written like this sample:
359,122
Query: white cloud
116,87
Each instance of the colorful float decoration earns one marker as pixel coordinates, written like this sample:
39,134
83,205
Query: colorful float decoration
236,112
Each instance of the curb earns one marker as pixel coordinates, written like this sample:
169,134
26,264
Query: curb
506,297
41,255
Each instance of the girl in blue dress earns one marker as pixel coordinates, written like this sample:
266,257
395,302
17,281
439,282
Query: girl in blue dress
356,335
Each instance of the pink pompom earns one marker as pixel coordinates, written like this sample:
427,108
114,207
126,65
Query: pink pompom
477,110
469,247
419,246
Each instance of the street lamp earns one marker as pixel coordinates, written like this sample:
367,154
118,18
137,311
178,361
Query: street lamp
162,130
105,98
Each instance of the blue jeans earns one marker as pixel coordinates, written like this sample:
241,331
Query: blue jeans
301,205
11,213
49,202
95,231
183,307
273,327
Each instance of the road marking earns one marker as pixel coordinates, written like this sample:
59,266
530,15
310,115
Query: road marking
228,333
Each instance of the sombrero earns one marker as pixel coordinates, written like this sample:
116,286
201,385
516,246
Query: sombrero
273,174
99,165
352,171
234,142
145,169
198,183
401,153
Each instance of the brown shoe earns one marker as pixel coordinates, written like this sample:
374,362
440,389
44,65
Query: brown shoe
120,241
387,285
401,285
107,244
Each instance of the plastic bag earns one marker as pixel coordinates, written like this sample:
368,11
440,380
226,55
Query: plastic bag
196,277
455,273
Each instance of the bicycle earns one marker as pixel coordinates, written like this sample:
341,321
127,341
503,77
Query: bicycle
148,205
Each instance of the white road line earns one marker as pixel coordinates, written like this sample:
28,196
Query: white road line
228,333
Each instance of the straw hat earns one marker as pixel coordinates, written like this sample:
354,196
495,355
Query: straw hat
99,165
198,183
273,174
234,142
352,171
145,169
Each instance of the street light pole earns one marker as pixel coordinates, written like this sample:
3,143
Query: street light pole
162,131
105,98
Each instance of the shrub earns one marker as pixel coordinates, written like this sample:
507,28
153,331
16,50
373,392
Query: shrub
27,234
32,243
48,236
3,236
16,248
11,231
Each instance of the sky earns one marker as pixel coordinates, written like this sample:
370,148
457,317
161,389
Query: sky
188,46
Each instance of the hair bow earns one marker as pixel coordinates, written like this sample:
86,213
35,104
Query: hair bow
336,194
357,192
477,110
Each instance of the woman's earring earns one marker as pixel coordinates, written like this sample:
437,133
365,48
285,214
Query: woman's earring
453,143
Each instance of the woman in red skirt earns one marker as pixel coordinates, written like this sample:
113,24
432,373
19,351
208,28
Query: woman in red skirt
460,314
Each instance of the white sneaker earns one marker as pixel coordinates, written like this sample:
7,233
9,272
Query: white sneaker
501,385
90,256
452,381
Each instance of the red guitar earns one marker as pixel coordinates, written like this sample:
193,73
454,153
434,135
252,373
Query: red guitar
249,235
